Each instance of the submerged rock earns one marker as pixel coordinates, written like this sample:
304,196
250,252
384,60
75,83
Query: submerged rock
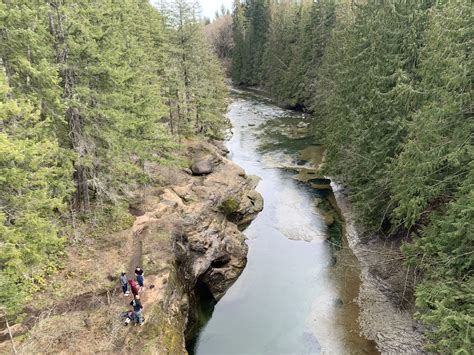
317,201
328,219
338,302
302,124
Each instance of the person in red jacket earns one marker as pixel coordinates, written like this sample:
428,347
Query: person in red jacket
134,287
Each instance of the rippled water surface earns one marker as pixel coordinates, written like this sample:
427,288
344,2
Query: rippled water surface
292,298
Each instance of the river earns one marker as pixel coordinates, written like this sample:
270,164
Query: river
296,294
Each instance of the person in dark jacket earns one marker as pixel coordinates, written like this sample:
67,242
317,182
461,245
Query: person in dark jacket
124,283
134,287
137,310
139,275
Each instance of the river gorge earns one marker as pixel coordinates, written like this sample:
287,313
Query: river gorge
249,250
297,292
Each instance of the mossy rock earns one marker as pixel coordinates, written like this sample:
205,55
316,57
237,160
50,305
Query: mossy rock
229,207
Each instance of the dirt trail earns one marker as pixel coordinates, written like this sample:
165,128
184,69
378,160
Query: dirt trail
91,301
151,292
87,301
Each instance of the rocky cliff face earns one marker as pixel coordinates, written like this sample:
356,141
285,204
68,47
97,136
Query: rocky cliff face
202,213
209,240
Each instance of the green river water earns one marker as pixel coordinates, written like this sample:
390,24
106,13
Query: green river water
296,294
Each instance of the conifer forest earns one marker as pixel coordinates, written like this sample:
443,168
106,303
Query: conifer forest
91,91
391,83
109,105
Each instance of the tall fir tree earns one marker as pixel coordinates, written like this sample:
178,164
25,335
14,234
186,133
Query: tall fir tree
433,181
196,93
238,34
372,72
34,183
256,12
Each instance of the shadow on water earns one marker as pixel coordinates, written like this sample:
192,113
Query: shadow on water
205,304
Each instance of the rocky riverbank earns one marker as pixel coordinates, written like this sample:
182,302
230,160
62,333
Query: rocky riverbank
184,234
386,293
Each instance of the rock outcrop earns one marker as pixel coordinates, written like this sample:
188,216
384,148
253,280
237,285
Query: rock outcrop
212,245
209,247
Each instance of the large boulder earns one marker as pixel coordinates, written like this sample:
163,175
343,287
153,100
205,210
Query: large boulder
203,166
244,211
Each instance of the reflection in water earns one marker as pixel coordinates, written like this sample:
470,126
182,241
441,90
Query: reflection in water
290,299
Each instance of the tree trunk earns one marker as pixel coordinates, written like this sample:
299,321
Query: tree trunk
179,117
81,197
171,116
187,81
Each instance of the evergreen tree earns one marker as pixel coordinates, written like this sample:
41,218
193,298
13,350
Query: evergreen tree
34,182
196,93
390,85
110,89
34,170
371,71
256,12
280,48
435,159
444,253
435,172
239,51
251,21
316,33
295,34
27,56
